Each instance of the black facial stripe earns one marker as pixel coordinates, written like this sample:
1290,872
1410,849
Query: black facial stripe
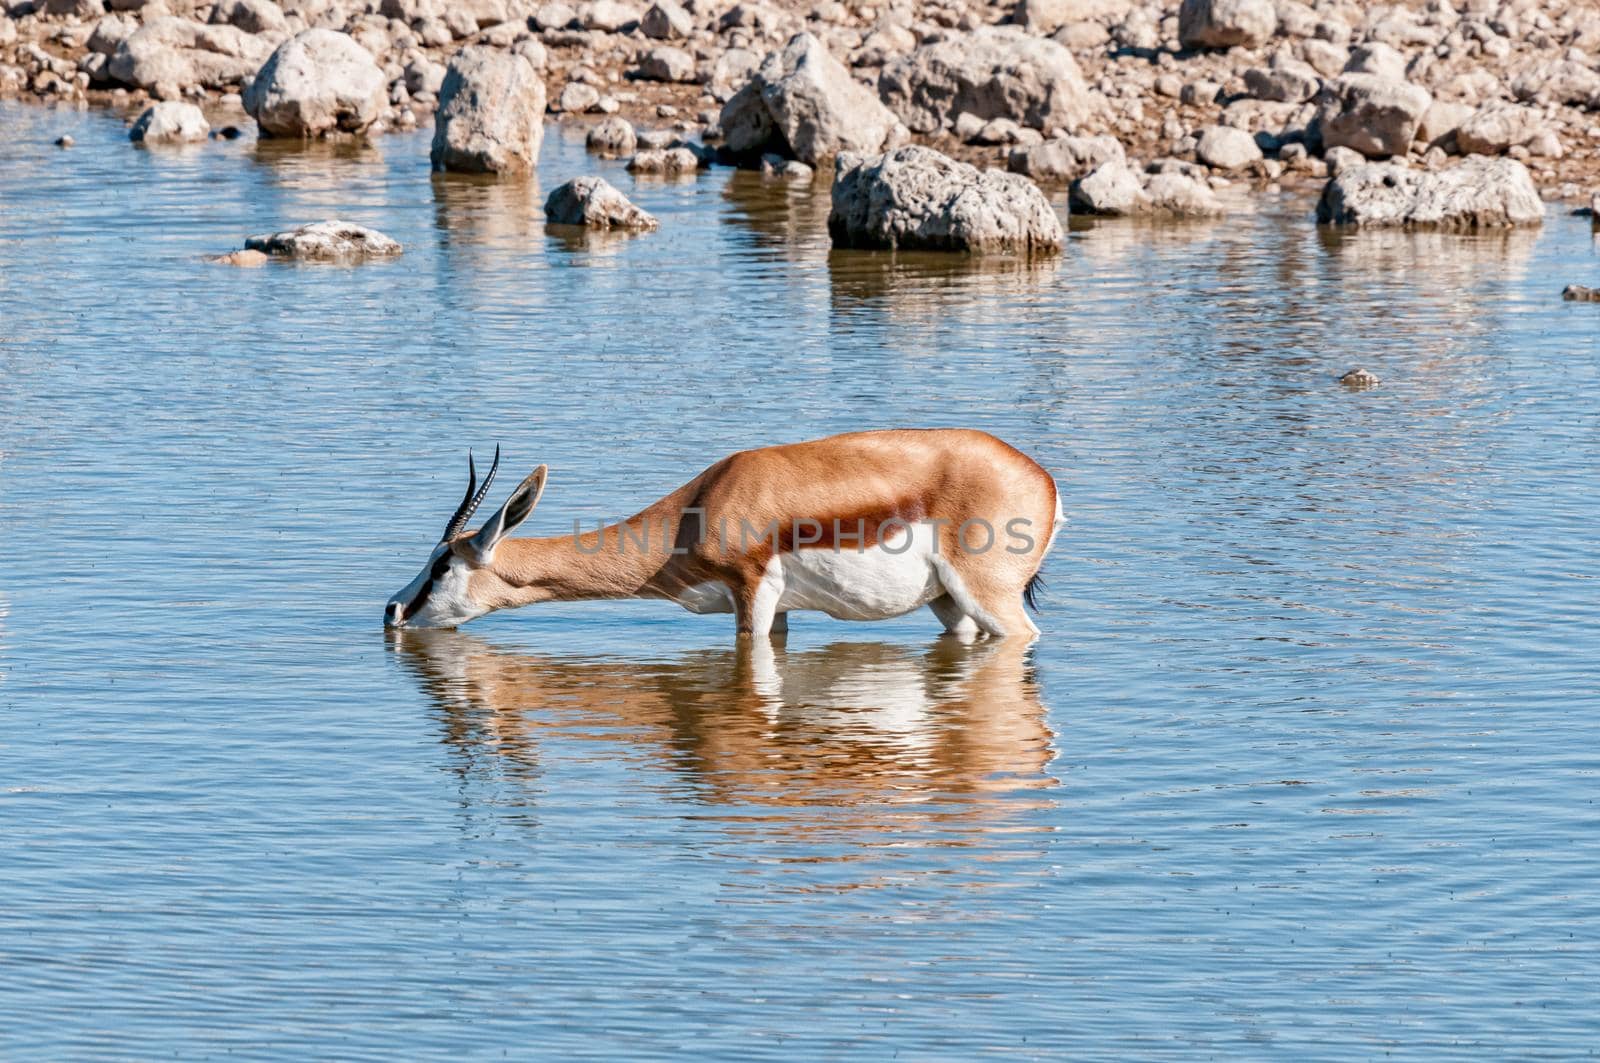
436,572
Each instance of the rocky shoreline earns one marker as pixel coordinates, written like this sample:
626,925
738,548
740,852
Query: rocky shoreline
1135,107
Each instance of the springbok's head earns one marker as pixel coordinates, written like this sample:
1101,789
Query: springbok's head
456,583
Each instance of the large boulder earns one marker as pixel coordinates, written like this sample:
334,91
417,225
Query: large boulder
802,103
1064,158
916,198
170,122
1479,193
1226,23
1374,115
993,72
167,55
491,114
317,82
325,241
591,201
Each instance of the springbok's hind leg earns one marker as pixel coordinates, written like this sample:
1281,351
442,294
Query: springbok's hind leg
953,617
996,608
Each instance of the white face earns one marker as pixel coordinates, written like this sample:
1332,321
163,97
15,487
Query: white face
438,597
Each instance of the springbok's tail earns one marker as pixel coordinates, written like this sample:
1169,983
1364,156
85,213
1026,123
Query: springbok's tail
1035,585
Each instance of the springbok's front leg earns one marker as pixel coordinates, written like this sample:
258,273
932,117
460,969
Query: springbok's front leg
756,602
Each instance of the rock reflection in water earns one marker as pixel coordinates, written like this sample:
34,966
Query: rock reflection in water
486,211
850,740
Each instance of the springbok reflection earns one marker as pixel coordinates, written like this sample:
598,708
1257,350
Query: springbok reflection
847,738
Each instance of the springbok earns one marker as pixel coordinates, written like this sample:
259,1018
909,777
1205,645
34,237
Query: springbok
862,526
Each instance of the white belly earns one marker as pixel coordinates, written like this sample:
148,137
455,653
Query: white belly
879,582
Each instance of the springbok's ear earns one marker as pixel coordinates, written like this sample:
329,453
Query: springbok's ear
516,510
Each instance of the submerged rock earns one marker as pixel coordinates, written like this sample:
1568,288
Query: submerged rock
1578,293
246,257
802,103
325,241
778,166
593,202
916,198
1359,379
613,137
491,114
993,72
170,122
664,161
1478,193
318,82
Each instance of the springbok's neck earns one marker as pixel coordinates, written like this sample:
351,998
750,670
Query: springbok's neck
616,561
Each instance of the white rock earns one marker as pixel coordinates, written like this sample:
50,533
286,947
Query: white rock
578,98
1496,127
252,16
1565,81
1110,189
664,161
491,113
608,16
1182,196
1378,58
916,198
317,82
1226,23
1372,114
666,20
591,201
167,55
325,240
804,104
1288,82
170,122
992,72
613,137
109,33
1441,119
667,64
1227,148
1480,192
778,166
1065,158
1047,16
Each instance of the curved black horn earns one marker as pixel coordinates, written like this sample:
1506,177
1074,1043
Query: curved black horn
472,499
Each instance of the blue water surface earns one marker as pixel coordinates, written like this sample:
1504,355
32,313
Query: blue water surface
1305,764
